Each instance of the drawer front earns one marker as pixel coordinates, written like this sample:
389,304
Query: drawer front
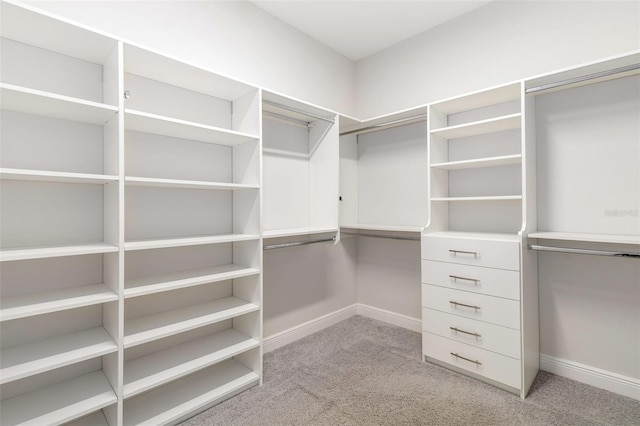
491,365
490,281
494,310
495,338
469,251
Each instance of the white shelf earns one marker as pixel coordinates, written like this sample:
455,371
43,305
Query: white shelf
26,305
488,198
167,126
172,402
37,102
389,228
33,358
148,372
26,253
504,160
183,242
186,184
494,236
492,125
59,403
156,326
480,99
594,238
62,177
182,279
95,419
277,233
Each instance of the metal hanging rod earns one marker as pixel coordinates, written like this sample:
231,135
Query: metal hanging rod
298,243
416,118
587,77
584,251
299,111
390,237
301,123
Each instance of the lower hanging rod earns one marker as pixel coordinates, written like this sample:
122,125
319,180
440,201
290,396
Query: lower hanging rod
298,243
391,237
584,251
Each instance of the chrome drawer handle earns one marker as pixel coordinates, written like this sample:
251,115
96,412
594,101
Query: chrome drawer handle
474,253
456,277
466,359
465,305
465,332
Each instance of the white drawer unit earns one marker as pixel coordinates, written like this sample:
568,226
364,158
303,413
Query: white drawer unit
489,281
494,310
492,253
495,338
493,366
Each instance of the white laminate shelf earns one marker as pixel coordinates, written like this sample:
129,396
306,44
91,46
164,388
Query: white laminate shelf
169,404
26,360
594,238
470,101
492,125
186,184
22,99
95,419
59,403
147,372
493,236
487,198
26,305
175,280
386,228
476,163
152,327
184,242
59,177
292,232
7,255
160,125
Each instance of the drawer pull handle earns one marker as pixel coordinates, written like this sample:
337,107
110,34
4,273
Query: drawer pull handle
466,359
474,253
456,277
465,332
464,305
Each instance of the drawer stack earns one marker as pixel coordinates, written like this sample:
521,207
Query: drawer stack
471,316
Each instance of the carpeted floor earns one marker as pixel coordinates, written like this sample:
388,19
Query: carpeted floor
365,372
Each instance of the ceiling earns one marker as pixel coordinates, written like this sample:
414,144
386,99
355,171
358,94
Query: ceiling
359,28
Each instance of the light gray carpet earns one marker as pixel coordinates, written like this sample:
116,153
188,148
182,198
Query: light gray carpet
364,372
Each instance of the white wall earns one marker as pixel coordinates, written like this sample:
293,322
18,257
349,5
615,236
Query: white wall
495,44
233,38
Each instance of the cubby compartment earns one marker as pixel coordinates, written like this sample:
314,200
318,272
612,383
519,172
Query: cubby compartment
300,168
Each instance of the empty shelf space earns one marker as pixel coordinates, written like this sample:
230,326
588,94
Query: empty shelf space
167,126
190,241
25,305
277,233
26,253
487,198
62,177
172,402
26,360
492,125
176,280
481,99
594,238
503,160
147,372
494,236
389,228
37,102
59,403
164,324
187,184
95,419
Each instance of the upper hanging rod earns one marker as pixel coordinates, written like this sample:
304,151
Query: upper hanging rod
416,118
595,75
391,237
299,122
583,251
299,111
298,243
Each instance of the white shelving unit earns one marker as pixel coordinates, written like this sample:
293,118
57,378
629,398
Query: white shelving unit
477,278
300,168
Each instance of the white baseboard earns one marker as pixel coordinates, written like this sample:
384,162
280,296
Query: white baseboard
413,324
596,377
292,334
